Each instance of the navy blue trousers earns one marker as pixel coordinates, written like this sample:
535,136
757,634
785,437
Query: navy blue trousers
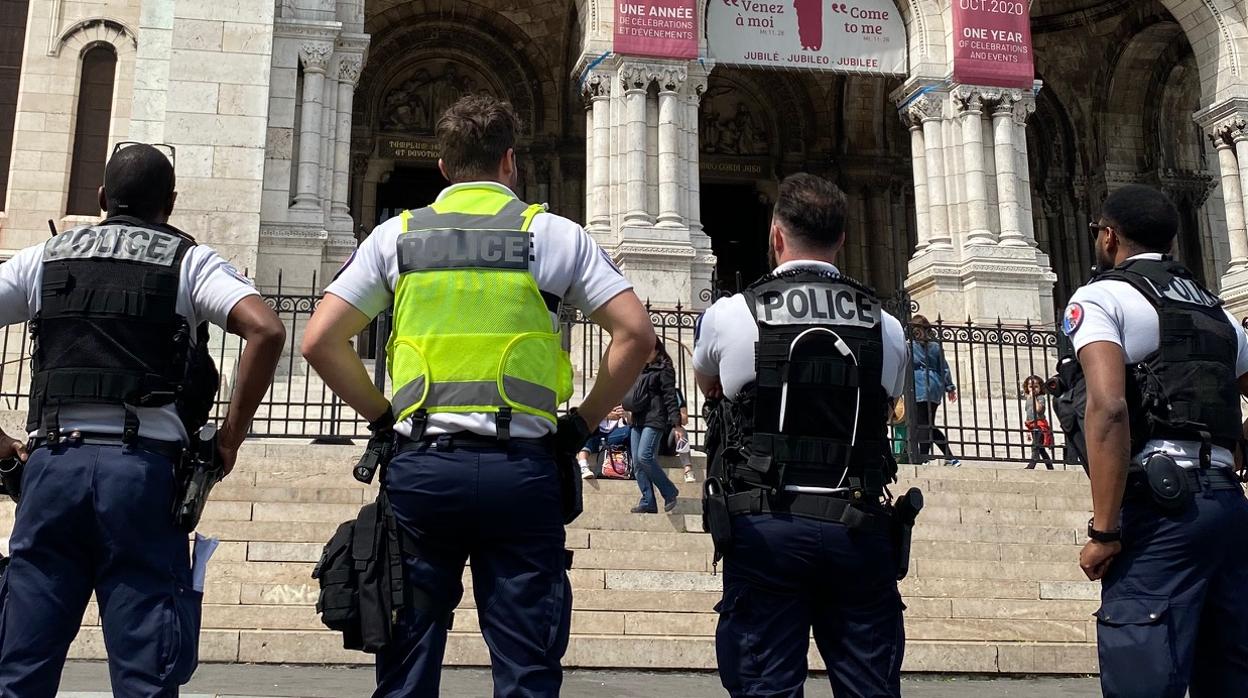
1174,605
502,508
787,575
98,518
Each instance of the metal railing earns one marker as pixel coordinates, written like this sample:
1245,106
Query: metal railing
987,364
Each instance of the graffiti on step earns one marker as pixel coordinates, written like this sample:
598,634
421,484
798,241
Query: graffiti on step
288,594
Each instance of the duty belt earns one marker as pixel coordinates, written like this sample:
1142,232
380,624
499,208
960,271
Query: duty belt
815,506
1217,479
169,449
470,440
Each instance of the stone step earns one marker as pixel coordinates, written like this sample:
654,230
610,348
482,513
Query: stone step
607,651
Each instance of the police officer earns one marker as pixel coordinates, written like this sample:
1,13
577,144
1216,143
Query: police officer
118,380
808,363
1164,366
475,281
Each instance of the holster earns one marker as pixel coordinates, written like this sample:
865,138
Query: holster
716,520
196,473
11,477
905,511
1167,484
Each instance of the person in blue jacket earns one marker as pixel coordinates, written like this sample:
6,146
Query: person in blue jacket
932,384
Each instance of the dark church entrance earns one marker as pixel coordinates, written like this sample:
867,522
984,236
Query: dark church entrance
737,216
408,188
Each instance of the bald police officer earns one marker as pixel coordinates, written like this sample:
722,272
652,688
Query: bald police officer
475,281
1163,365
807,363
120,378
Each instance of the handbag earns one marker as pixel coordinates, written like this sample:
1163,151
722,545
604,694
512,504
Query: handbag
616,464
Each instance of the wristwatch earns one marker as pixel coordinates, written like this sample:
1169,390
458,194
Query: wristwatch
1103,536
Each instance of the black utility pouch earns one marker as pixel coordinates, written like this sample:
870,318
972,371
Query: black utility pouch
1168,484
715,518
571,488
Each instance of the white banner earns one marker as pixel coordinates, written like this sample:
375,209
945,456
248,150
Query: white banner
867,36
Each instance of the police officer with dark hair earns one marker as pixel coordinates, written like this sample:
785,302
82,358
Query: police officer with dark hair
475,281
1163,366
120,382
807,364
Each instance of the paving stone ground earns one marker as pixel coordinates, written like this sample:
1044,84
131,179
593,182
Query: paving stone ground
90,680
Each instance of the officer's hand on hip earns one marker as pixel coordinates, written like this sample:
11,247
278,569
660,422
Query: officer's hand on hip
227,449
1095,558
12,448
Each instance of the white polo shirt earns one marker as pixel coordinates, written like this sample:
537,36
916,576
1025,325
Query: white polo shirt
209,287
726,335
566,263
1114,311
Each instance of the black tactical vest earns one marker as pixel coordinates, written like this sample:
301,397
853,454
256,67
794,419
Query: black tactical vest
1187,389
108,331
815,414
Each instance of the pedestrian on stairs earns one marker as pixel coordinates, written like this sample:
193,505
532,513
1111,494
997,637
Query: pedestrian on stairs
655,411
475,281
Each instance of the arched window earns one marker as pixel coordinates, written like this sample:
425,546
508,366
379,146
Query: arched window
95,111
12,43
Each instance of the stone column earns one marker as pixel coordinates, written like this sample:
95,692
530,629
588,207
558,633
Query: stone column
348,76
930,109
670,82
1239,136
917,161
315,58
970,103
697,87
599,89
1009,207
636,82
1232,195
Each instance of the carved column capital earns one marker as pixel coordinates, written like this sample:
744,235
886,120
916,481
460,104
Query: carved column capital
968,100
1229,131
636,76
925,108
672,78
1023,108
314,55
349,69
597,86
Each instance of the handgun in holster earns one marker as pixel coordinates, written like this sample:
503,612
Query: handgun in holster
377,454
11,477
199,470
905,510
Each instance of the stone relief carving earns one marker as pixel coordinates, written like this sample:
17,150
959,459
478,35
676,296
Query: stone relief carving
730,124
349,69
415,103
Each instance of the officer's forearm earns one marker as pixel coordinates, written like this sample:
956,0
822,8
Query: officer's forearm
1109,451
256,365
343,371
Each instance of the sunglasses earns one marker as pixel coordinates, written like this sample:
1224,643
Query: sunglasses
168,150
1094,229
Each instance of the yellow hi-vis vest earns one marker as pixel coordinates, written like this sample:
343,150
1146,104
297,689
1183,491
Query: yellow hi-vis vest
472,331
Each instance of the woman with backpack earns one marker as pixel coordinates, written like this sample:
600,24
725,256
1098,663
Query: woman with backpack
655,409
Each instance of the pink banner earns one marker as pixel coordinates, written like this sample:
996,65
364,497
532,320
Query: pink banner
992,43
657,28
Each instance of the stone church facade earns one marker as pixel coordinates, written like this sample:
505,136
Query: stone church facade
300,124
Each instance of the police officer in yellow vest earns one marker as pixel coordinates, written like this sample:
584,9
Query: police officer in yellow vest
476,280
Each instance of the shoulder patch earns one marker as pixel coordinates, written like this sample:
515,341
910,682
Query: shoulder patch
607,257
1072,319
345,264
234,272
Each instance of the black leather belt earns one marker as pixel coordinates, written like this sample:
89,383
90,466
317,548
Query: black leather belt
1217,478
470,440
169,449
830,508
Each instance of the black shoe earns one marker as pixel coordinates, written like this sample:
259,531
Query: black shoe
639,509
670,504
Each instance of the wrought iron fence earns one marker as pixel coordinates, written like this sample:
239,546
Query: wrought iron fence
987,366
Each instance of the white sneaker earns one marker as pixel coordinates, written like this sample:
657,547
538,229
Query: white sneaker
586,473
689,476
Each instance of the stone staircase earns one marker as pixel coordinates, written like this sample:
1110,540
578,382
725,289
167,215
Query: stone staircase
994,585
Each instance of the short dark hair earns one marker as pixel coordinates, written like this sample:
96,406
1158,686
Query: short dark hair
812,210
138,181
473,136
1143,215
